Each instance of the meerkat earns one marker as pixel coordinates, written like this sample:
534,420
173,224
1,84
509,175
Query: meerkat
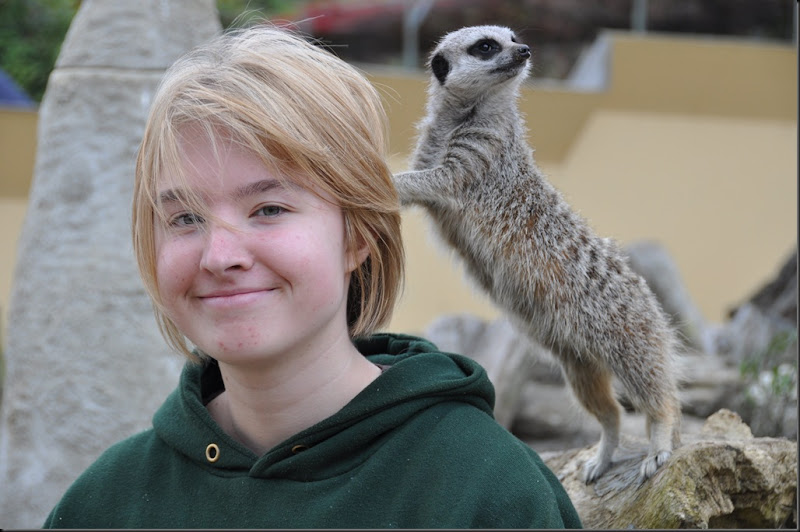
560,284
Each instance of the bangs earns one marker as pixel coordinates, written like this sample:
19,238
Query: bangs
168,183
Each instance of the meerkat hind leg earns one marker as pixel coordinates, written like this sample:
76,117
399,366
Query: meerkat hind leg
664,432
592,386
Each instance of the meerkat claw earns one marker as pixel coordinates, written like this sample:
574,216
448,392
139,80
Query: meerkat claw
651,464
594,469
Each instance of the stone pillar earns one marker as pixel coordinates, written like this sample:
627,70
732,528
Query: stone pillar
86,365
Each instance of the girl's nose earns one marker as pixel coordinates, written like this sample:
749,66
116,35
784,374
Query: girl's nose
225,250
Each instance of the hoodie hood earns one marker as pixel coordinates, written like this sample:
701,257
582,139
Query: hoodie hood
419,377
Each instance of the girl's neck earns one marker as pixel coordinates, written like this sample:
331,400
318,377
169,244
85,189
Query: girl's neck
262,407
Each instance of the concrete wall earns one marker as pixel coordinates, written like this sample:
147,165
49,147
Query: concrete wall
692,143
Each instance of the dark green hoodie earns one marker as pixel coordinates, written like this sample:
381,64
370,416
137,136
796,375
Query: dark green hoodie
417,448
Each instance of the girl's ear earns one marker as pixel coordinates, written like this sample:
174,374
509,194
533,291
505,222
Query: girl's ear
357,247
357,256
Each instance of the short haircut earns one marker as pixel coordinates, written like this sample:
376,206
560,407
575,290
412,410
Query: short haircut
300,109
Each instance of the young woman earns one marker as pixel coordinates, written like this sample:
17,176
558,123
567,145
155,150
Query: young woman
267,232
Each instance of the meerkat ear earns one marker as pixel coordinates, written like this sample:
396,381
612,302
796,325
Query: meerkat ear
440,67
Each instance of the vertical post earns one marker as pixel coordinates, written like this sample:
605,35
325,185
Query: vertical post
412,19
639,16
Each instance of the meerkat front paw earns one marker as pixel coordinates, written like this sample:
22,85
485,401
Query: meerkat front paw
401,184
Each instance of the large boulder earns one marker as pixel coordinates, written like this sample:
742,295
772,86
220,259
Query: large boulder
85,364
720,478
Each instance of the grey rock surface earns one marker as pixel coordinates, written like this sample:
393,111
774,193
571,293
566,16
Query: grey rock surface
85,363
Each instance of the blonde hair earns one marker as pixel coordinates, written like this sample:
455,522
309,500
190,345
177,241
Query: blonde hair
300,109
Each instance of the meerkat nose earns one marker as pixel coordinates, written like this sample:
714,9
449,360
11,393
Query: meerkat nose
524,52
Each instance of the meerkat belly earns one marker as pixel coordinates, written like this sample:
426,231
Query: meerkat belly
538,261
497,254
465,239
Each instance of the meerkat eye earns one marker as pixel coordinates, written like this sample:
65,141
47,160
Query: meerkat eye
514,38
484,49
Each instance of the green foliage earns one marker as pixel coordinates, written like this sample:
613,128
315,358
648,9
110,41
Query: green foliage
31,33
768,361
770,379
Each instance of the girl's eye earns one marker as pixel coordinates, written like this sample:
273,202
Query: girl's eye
186,219
270,210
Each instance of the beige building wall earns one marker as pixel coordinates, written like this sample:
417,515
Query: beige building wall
693,143
17,153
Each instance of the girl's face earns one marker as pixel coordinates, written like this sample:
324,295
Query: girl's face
272,280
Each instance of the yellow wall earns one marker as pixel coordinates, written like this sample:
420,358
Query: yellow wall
17,153
693,144
12,213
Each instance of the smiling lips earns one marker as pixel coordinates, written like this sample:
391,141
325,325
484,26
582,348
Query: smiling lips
234,297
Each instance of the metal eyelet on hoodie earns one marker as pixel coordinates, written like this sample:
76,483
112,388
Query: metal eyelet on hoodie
212,452
299,448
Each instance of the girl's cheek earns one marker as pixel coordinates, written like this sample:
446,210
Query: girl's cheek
175,262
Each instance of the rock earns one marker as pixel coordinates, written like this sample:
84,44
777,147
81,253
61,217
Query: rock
719,478
136,36
652,261
85,363
760,340
550,419
506,355
779,296
709,382
726,425
767,314
749,333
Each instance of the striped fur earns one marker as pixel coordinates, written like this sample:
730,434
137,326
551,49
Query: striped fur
563,286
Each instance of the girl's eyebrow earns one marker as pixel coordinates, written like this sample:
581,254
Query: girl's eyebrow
251,189
171,196
258,187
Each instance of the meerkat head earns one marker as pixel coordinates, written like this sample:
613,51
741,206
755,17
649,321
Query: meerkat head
477,60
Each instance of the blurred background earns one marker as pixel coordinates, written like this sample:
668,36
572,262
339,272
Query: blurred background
666,120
